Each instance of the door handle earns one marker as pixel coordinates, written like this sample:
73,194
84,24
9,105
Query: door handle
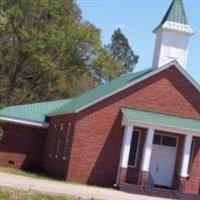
157,167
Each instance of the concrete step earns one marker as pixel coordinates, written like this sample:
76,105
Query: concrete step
148,190
189,197
157,192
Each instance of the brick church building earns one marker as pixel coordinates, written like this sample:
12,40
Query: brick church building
139,132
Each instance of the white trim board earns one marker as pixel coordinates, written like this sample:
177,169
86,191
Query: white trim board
24,122
154,72
159,127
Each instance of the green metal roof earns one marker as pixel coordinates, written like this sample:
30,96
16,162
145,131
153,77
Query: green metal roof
163,119
32,112
100,92
37,112
175,13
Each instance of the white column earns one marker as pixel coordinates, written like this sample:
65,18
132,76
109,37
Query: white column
125,152
186,156
147,150
126,146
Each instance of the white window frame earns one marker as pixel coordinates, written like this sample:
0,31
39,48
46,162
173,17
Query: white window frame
51,145
67,138
137,150
54,125
168,135
62,125
57,147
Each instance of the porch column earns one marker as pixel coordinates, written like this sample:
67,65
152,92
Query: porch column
147,156
125,152
186,156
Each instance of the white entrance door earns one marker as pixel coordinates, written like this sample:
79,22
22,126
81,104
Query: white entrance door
162,165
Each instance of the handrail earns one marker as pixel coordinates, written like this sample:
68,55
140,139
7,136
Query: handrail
151,181
148,187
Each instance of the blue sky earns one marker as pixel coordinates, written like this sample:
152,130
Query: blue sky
138,18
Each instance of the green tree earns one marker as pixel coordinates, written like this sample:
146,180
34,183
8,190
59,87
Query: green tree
121,51
45,48
105,67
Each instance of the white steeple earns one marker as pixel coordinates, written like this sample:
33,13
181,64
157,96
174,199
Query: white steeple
172,37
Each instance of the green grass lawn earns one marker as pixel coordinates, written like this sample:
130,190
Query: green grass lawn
31,174
36,175
11,194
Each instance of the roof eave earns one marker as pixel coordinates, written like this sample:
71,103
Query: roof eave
161,127
24,122
174,27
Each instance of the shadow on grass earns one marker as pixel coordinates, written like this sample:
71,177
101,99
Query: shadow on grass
29,173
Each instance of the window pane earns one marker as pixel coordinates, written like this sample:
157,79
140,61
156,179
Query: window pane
169,141
157,139
67,138
191,155
134,146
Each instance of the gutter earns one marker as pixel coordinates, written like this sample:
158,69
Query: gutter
25,122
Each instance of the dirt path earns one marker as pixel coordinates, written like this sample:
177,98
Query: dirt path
62,188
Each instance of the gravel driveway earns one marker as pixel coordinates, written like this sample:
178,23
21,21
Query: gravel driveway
62,188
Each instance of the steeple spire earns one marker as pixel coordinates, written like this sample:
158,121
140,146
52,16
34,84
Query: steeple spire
172,36
176,13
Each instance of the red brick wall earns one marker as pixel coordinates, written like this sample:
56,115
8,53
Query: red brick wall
22,146
98,132
55,162
192,183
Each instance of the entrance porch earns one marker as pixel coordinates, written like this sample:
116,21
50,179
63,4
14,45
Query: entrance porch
159,154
